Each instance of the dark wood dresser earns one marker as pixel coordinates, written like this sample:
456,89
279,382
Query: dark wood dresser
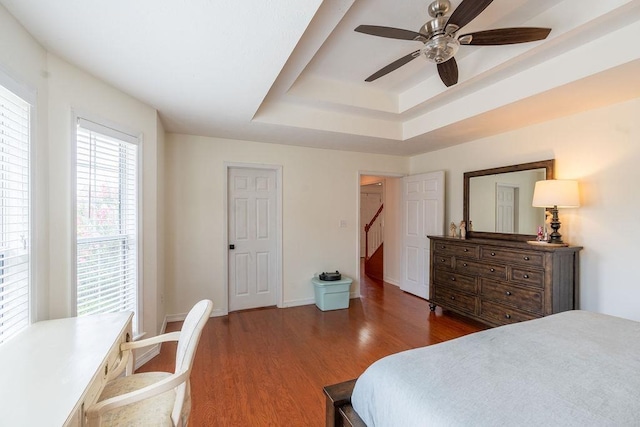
499,282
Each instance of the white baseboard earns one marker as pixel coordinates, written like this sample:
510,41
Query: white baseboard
309,301
392,281
180,317
143,358
297,303
175,317
163,328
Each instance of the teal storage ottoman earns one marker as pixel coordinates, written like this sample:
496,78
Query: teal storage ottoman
332,295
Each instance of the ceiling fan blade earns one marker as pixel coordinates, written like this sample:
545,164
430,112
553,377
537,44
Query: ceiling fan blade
466,12
505,36
390,32
393,66
448,71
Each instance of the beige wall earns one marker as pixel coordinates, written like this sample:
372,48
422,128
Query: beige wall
600,148
320,188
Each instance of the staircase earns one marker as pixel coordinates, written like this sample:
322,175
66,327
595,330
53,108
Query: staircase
374,243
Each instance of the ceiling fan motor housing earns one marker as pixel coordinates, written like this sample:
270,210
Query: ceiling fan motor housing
434,26
439,46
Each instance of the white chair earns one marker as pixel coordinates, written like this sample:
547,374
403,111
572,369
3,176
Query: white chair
153,398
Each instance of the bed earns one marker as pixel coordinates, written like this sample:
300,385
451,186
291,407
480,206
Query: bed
572,368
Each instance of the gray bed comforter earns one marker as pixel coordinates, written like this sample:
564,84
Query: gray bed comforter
571,369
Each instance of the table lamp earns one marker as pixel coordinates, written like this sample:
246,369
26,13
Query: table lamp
554,194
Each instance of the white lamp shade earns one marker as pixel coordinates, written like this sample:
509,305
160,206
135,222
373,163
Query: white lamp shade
562,193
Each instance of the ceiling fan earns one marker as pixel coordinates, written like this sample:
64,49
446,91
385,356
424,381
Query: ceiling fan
441,41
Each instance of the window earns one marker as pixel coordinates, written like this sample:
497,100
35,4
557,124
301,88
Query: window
15,223
107,220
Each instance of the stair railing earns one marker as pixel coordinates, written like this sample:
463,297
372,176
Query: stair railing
373,234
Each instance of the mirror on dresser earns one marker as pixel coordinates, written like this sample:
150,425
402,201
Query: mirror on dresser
497,201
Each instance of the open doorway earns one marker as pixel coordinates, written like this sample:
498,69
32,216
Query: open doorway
381,190
372,226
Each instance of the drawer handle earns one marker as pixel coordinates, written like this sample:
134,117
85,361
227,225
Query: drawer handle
526,276
507,293
526,258
466,250
442,246
493,270
452,297
442,260
493,254
507,316
465,264
453,279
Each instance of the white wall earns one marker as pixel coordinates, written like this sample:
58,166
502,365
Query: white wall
61,88
320,188
23,60
600,148
72,90
392,230
160,226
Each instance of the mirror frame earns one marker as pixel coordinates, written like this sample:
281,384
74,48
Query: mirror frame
548,165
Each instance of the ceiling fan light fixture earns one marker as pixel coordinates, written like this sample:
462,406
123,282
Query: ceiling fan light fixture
440,48
441,43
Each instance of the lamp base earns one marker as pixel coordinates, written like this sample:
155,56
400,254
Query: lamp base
555,237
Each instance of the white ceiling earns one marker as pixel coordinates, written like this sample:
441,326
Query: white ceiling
292,71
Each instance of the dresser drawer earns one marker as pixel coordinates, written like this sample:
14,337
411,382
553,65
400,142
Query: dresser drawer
456,281
527,277
503,315
443,261
493,271
508,255
457,249
451,298
514,296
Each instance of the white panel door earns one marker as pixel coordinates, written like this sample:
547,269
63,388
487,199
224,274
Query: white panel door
423,214
252,208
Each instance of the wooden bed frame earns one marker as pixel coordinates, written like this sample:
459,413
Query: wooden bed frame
339,412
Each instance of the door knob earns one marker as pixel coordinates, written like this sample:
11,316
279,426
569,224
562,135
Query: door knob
232,247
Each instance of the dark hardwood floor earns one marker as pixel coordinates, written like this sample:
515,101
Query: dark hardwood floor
267,367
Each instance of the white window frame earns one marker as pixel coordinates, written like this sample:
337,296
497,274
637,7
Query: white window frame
117,131
28,95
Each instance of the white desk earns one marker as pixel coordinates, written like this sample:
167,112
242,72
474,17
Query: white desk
53,369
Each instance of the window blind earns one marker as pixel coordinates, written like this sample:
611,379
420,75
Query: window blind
107,220
15,224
